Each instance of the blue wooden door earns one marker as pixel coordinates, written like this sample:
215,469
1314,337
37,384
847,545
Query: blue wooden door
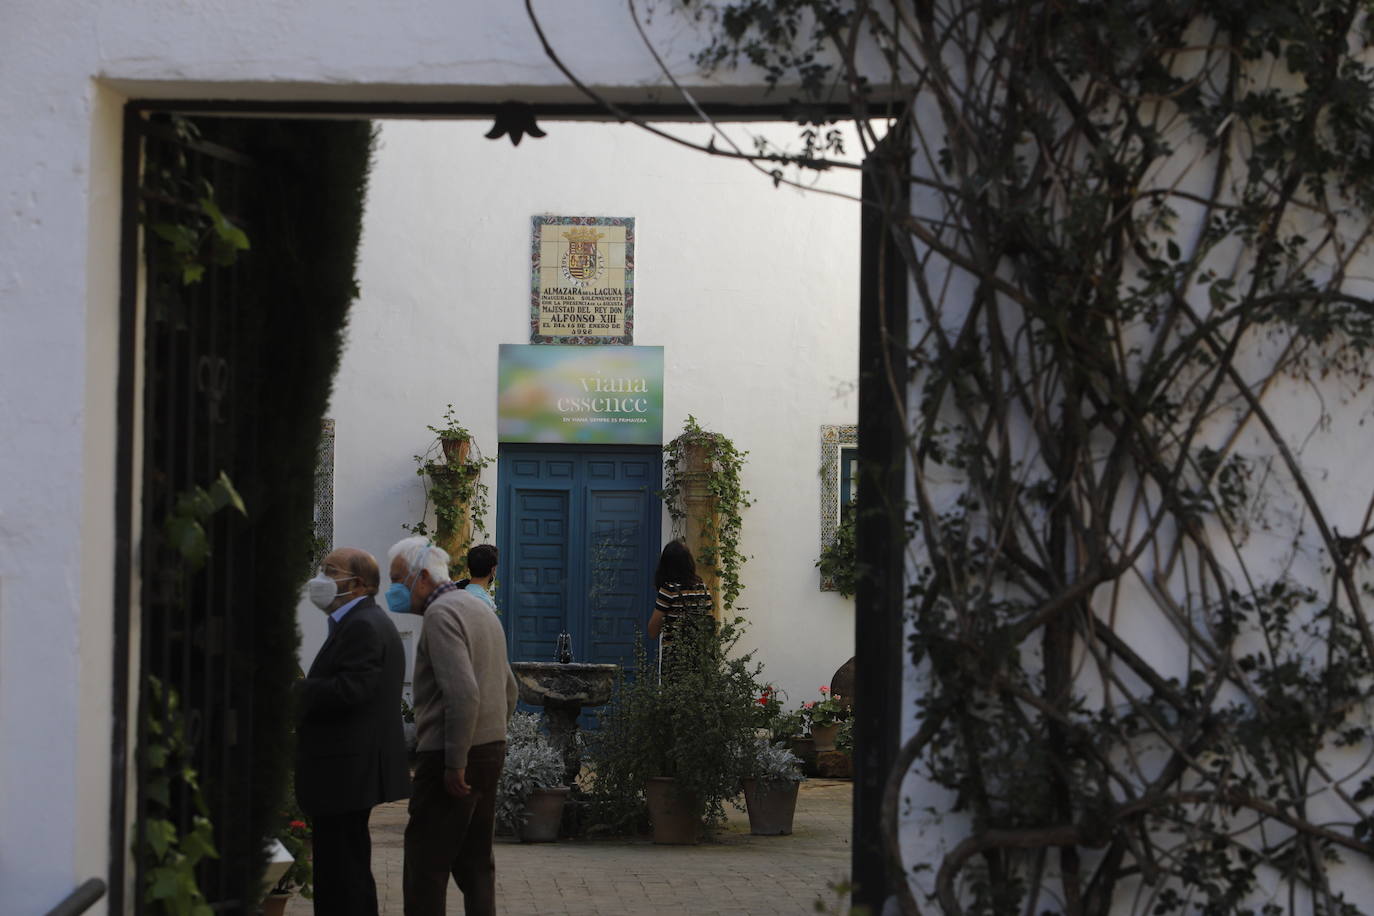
578,532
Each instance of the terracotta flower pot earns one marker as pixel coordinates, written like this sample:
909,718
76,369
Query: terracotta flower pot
274,904
676,821
770,806
824,736
456,450
544,814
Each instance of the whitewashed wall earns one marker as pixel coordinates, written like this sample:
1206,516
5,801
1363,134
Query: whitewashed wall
751,290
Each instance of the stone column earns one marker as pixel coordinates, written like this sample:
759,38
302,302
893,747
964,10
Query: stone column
703,513
453,535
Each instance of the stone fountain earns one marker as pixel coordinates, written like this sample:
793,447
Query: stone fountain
564,688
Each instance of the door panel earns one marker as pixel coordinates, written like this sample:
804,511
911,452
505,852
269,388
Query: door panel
579,532
540,572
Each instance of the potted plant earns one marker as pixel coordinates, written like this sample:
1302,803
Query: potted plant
294,837
770,791
454,439
530,795
454,488
825,715
678,746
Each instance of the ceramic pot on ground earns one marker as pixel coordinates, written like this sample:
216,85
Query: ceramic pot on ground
274,904
543,815
824,736
676,821
770,806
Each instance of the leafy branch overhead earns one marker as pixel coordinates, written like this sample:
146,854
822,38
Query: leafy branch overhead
1137,241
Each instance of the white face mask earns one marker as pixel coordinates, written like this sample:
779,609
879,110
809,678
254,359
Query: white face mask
324,590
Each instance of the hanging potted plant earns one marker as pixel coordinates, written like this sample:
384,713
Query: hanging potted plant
530,795
454,488
675,749
770,791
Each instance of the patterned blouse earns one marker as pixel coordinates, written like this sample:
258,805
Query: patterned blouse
678,601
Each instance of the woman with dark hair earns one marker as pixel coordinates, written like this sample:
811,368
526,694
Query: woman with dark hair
682,596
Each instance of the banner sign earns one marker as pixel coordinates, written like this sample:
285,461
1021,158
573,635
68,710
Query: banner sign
572,394
583,280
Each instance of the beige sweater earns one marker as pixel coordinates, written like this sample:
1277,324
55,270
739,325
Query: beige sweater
464,689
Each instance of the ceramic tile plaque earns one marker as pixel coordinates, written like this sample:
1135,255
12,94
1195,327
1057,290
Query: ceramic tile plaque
582,280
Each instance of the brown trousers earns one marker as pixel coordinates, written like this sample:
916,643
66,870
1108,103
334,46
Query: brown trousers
447,835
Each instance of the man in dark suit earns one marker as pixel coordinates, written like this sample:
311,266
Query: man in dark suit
350,750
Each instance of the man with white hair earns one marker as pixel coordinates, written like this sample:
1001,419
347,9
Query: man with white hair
464,696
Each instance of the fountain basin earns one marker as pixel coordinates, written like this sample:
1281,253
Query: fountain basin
564,684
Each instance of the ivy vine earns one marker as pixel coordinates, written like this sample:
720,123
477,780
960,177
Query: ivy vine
721,530
838,559
169,855
170,852
200,236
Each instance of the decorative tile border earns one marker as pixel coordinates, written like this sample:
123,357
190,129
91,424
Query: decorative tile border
833,438
628,222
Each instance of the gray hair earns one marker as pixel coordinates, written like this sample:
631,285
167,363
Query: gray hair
420,553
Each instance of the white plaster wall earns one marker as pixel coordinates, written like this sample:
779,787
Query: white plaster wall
751,290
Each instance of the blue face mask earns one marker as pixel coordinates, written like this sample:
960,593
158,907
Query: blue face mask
398,598
398,593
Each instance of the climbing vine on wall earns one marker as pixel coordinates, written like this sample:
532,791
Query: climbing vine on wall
721,463
454,487
1137,238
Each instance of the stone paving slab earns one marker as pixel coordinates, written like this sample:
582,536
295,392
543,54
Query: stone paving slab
736,875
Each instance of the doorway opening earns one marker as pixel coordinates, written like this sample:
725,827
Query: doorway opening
592,580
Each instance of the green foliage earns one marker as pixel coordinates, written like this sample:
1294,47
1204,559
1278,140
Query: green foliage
720,533
838,561
772,763
184,527
168,850
826,711
451,430
531,763
456,491
697,726
203,236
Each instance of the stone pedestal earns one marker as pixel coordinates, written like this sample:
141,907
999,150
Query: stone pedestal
703,514
453,537
564,690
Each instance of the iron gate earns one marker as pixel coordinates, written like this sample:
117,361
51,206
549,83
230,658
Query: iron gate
195,399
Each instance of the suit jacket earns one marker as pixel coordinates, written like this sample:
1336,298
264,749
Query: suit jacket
350,749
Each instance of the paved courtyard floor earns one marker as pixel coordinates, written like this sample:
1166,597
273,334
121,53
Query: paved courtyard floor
737,874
